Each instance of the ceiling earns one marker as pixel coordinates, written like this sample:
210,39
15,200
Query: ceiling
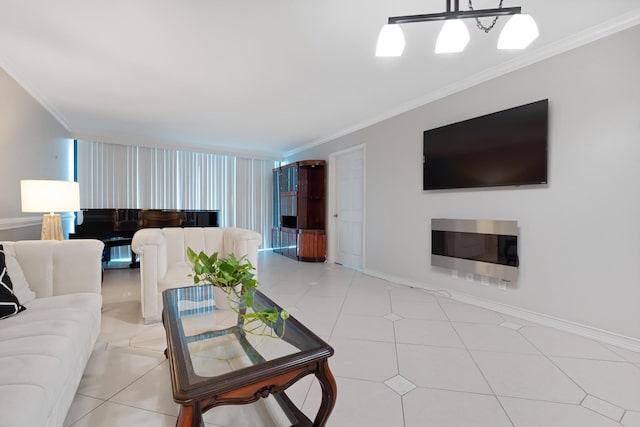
258,77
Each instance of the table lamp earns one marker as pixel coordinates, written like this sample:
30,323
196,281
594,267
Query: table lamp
50,196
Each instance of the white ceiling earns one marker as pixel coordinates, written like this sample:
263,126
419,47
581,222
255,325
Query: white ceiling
261,77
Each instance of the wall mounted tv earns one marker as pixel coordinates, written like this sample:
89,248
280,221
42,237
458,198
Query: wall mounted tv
504,148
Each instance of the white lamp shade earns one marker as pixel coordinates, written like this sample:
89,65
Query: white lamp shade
390,41
518,32
49,196
453,37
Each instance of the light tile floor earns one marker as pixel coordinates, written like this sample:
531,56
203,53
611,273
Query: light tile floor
404,357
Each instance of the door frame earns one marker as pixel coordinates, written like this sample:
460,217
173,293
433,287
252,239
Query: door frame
332,198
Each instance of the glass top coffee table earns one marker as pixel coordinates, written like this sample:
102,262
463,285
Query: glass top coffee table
214,362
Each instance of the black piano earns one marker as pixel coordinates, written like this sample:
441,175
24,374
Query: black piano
116,227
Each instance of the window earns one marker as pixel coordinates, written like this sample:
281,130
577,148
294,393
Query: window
121,176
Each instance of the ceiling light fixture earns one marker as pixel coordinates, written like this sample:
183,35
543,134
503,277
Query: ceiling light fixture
518,32
453,37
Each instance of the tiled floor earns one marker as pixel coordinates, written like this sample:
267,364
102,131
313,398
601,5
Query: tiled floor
404,357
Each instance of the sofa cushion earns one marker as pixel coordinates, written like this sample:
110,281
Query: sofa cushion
9,304
177,277
20,285
40,351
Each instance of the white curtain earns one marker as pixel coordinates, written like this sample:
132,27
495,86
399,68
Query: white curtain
121,176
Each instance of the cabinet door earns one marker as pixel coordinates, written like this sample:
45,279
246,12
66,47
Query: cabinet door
311,196
311,245
276,198
289,178
289,242
276,243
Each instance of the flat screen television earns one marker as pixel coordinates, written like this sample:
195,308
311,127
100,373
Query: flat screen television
508,147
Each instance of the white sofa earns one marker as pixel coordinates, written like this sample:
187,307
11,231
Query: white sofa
163,258
45,348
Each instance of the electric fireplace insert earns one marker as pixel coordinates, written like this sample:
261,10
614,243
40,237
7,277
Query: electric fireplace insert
484,247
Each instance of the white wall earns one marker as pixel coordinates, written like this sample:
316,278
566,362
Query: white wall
33,145
579,244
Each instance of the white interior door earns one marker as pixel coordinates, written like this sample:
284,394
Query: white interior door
349,208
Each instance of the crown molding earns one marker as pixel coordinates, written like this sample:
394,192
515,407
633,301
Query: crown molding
34,94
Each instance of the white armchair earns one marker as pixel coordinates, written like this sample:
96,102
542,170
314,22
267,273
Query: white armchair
163,258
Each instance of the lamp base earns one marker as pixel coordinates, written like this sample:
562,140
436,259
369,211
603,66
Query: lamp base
51,227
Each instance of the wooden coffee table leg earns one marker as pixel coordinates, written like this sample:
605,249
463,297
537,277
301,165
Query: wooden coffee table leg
190,416
329,393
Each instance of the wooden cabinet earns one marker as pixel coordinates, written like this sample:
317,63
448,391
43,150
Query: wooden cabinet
299,210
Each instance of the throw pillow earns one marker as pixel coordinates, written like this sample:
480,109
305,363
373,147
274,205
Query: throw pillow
20,285
9,304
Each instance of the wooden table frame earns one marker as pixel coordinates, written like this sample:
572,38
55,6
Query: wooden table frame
197,394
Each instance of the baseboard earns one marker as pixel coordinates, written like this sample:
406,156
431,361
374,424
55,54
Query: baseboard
600,335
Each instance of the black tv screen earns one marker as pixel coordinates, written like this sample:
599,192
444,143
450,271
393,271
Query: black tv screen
504,148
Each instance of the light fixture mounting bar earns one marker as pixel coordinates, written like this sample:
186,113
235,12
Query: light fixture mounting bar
455,14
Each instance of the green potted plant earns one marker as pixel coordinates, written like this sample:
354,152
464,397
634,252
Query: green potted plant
236,279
